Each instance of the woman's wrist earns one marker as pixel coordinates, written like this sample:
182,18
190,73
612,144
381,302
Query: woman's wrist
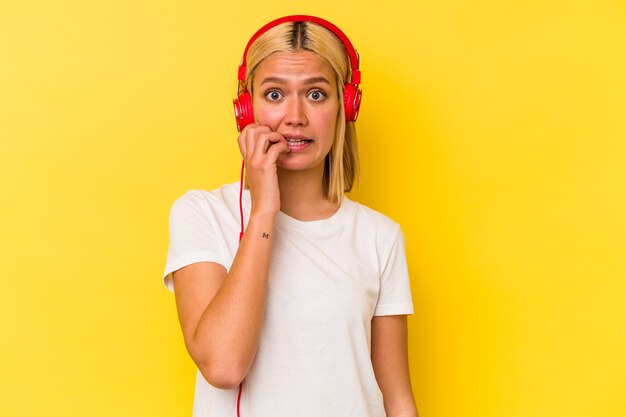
264,218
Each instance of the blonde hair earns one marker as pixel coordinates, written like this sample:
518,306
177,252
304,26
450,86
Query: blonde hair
341,166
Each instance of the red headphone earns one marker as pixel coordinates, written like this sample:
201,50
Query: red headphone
244,114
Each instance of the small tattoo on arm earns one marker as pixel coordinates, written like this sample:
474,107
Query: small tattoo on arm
266,235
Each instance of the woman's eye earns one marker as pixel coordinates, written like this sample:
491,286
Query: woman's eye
317,95
273,95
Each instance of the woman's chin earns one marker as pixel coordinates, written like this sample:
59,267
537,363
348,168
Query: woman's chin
287,163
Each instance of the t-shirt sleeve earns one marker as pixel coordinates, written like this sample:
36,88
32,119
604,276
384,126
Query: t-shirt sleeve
192,237
394,297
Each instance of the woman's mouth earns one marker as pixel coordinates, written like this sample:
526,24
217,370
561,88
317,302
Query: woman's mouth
297,144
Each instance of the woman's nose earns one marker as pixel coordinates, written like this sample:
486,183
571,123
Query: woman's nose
295,112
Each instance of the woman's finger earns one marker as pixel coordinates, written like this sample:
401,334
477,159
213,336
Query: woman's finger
277,148
246,138
241,140
253,138
264,142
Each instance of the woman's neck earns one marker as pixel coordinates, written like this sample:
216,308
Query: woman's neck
302,196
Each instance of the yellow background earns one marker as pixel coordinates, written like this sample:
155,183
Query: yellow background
493,131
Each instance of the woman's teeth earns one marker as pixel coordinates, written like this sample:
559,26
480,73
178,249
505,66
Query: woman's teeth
297,141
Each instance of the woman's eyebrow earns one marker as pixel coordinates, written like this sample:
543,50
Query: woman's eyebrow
280,80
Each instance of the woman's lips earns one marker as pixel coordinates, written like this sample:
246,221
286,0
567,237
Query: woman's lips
298,144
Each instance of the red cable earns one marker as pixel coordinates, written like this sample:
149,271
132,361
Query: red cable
239,398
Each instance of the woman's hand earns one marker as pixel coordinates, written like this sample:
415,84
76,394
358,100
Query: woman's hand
260,148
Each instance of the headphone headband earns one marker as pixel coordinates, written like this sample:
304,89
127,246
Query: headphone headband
355,76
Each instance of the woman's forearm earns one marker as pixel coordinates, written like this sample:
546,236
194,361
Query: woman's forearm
226,337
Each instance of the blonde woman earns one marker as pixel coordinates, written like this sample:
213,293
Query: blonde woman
306,314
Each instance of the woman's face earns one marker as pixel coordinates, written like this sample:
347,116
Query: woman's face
295,95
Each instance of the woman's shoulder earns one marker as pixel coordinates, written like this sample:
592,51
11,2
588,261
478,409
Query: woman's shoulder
198,200
366,216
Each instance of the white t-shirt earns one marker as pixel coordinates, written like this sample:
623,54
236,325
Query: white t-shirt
327,279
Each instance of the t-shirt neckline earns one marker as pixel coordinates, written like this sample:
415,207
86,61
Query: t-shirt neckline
283,219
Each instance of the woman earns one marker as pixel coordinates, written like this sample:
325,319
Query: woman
309,308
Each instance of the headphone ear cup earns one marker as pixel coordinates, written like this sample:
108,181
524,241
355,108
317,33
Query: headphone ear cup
351,101
244,115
